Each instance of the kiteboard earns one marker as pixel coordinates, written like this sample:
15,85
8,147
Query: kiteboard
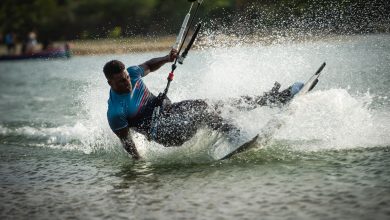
273,124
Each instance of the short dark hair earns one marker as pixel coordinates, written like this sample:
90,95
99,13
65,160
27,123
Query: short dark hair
113,67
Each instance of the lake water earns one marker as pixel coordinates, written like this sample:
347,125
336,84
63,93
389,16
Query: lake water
329,160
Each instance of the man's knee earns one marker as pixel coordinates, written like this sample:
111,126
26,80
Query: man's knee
199,106
200,103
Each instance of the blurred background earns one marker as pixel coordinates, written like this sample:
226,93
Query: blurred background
48,21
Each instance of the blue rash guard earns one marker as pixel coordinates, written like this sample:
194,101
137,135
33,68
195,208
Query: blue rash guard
133,109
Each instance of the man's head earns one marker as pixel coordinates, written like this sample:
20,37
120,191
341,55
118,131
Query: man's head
117,76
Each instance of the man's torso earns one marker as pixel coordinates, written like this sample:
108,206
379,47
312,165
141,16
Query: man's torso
133,109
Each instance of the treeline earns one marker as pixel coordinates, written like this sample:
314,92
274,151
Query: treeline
86,19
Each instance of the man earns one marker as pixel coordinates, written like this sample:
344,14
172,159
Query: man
131,105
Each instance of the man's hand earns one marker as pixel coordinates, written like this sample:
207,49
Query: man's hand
160,99
127,142
129,146
155,63
172,55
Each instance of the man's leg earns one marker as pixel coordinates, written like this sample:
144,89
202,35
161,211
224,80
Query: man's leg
274,97
182,120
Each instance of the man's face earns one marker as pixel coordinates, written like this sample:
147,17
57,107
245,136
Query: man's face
120,83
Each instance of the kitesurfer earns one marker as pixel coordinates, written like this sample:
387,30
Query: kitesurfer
131,105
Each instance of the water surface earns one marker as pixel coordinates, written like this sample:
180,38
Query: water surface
330,158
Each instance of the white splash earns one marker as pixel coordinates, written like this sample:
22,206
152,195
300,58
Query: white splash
333,119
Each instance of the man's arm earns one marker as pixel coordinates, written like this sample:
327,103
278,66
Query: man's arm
128,142
155,63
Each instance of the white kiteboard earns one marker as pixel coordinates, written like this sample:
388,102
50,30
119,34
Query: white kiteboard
272,125
312,82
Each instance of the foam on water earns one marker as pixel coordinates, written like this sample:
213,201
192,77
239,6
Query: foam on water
62,137
333,119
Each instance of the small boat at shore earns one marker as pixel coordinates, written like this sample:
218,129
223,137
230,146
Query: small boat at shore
53,53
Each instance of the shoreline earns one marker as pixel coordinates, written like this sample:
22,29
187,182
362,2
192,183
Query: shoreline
121,45
149,44
109,46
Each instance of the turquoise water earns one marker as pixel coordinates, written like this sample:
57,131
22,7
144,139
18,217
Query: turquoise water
329,159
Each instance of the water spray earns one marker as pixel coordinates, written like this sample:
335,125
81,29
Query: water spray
180,58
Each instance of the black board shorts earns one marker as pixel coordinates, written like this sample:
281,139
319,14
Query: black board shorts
180,121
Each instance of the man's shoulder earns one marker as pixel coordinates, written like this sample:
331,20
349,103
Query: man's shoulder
135,71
